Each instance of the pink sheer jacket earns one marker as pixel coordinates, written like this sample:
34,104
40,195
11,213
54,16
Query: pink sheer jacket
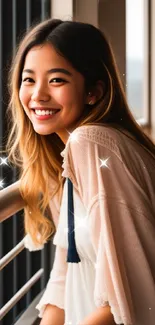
115,178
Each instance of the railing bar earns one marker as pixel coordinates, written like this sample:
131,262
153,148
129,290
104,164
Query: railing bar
28,14
15,241
14,19
13,253
28,275
43,3
1,134
43,263
6,308
28,258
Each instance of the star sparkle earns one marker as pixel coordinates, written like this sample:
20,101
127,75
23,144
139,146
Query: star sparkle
96,265
80,224
3,161
73,137
66,230
104,162
1,183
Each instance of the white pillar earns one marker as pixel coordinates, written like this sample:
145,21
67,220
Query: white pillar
62,9
81,10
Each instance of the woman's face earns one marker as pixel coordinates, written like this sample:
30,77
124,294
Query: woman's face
49,83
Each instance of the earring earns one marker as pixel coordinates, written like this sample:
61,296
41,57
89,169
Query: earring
91,101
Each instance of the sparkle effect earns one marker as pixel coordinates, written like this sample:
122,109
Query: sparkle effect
104,162
1,183
73,137
66,230
82,223
3,161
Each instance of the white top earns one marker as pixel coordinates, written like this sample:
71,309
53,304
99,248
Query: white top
80,277
114,187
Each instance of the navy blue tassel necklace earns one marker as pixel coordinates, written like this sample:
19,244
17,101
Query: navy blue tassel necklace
72,254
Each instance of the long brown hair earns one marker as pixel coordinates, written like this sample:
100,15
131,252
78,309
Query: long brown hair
38,156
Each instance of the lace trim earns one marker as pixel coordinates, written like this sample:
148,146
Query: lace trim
100,135
101,302
66,166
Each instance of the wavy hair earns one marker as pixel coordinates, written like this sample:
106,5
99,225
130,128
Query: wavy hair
38,156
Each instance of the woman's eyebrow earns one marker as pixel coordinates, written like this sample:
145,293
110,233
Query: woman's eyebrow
52,71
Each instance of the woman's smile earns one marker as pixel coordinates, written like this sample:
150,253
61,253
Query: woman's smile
45,114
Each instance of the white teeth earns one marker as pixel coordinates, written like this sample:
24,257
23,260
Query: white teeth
43,112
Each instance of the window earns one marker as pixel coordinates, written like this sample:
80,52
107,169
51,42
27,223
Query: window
137,49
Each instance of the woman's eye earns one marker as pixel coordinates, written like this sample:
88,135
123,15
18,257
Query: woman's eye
28,79
57,80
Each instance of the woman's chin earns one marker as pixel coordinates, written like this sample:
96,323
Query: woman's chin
43,131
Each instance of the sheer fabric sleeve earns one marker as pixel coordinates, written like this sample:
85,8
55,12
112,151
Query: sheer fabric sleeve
123,239
122,229
55,289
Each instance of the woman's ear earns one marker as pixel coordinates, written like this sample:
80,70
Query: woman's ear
96,93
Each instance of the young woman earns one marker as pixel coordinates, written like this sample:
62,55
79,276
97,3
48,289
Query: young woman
72,130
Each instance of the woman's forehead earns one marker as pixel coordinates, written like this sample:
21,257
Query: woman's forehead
41,56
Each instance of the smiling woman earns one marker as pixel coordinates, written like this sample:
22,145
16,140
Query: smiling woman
68,113
51,86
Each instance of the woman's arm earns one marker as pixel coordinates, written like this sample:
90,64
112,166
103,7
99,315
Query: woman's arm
11,201
102,316
53,315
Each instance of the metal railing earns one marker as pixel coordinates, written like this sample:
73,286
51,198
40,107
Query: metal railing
3,262
20,293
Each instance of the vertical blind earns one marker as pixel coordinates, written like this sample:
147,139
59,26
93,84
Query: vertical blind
16,16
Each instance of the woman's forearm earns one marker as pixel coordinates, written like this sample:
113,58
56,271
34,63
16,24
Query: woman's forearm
102,316
53,315
11,201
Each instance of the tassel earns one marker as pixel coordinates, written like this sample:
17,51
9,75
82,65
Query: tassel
72,254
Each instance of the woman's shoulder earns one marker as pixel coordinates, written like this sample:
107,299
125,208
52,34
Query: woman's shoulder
109,135
83,138
118,141
98,133
103,135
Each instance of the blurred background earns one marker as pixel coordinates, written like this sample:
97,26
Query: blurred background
130,26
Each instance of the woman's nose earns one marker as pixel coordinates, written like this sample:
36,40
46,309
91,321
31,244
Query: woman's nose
40,93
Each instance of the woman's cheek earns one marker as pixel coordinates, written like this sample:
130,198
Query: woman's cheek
24,100
22,96
63,95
